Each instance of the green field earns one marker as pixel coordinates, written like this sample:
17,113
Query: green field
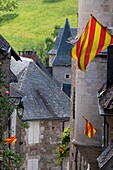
34,20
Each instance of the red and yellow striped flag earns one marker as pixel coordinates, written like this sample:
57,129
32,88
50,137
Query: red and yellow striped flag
11,139
89,129
61,149
94,39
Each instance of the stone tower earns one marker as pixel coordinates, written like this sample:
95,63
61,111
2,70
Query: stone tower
87,84
102,10
59,57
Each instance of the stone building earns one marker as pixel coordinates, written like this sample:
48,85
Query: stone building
105,98
6,52
46,109
59,57
84,96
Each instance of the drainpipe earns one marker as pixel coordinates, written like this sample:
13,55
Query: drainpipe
110,66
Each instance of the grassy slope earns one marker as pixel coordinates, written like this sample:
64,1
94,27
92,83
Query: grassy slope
34,20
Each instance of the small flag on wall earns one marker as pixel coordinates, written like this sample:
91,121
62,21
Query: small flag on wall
11,139
61,149
93,40
89,130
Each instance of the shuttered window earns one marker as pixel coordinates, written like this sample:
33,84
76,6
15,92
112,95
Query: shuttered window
13,123
32,164
33,132
68,165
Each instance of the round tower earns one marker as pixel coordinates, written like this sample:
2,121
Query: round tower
88,83
101,9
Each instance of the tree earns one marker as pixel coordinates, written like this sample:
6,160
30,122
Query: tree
43,48
56,30
8,5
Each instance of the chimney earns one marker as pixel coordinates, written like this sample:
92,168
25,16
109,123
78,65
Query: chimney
110,66
28,54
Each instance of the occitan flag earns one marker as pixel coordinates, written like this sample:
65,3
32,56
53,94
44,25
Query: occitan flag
93,40
11,139
89,129
61,149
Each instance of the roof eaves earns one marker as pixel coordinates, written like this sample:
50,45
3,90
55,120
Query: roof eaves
58,118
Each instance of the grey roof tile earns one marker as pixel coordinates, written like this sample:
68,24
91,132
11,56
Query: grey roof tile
43,97
13,78
106,97
53,51
15,92
106,155
63,48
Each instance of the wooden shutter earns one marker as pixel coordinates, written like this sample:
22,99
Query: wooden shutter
36,132
32,164
33,134
29,165
13,123
30,133
68,165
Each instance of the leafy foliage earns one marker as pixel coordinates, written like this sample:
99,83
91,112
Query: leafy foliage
34,20
55,32
11,158
63,149
8,5
43,48
25,125
5,104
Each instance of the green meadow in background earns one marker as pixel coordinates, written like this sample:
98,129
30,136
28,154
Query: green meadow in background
34,20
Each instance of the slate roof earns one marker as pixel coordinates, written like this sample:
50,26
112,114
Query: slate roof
43,97
106,97
15,92
13,78
61,48
5,48
41,66
106,155
53,51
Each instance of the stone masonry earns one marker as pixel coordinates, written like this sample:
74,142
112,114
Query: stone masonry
60,74
49,139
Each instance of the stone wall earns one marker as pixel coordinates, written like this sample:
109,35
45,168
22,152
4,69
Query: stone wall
51,58
86,103
6,68
44,151
87,84
59,73
5,120
101,9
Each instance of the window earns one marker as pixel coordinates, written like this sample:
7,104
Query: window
13,123
33,132
32,164
67,89
67,76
